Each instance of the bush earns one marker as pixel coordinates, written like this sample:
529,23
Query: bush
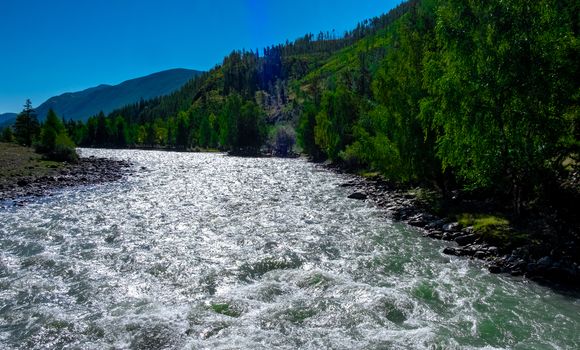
54,141
64,150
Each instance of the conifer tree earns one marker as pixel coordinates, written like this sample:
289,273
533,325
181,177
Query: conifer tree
26,126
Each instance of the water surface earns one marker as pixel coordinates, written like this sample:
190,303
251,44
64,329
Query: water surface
205,251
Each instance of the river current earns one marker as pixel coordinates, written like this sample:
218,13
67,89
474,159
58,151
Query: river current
206,251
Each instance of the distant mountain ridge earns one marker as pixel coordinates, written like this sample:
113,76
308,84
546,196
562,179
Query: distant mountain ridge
83,104
7,119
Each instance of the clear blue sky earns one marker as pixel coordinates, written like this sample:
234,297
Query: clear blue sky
48,47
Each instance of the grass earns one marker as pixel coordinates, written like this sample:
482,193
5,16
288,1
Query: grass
369,174
494,229
19,162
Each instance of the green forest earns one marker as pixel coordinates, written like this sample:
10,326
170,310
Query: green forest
480,95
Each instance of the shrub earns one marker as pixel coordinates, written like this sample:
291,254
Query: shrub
54,141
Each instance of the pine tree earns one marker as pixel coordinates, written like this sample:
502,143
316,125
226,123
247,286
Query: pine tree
26,126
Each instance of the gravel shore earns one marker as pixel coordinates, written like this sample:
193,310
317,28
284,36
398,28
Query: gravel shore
86,172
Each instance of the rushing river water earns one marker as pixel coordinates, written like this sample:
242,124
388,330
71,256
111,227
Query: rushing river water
214,252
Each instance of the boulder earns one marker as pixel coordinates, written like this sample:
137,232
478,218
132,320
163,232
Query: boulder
465,239
434,234
358,195
480,254
437,224
451,251
419,220
451,227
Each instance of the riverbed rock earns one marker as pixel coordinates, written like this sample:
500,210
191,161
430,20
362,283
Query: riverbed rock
451,251
358,196
481,254
420,220
436,224
86,171
495,268
434,234
465,239
451,227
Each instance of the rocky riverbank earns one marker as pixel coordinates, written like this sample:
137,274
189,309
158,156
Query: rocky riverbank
545,258
87,171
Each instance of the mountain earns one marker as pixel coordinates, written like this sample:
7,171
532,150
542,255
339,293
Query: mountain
83,104
7,119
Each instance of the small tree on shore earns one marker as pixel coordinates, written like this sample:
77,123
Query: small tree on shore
54,142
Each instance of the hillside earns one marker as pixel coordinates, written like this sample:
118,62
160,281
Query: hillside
7,119
83,104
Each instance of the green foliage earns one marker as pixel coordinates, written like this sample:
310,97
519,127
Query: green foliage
251,128
241,124
228,121
333,130
54,142
307,122
495,229
372,146
498,84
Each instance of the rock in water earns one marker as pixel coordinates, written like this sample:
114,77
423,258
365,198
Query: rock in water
358,195
451,227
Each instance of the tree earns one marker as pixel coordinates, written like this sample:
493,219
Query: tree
121,132
228,121
499,85
306,126
101,130
251,129
182,132
26,126
333,130
54,142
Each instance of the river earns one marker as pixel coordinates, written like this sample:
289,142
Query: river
206,251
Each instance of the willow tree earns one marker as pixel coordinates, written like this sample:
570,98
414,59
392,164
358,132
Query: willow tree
500,83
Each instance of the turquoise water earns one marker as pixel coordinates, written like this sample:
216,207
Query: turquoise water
205,251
